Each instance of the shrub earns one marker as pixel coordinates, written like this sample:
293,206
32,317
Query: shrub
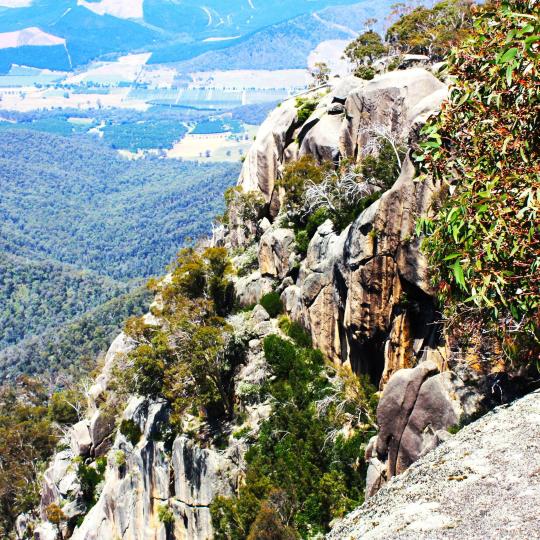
165,515
280,354
295,331
120,458
268,525
484,241
384,168
148,370
64,406
304,236
305,108
315,220
365,49
131,431
341,196
365,72
198,275
302,241
90,478
272,303
295,468
55,515
431,31
295,176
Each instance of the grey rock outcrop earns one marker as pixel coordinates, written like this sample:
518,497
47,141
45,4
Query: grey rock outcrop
481,484
81,442
363,293
416,409
275,250
250,289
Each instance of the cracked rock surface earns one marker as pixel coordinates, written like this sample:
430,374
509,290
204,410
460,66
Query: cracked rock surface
483,483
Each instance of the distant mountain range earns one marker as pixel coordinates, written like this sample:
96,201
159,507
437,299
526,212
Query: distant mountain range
66,34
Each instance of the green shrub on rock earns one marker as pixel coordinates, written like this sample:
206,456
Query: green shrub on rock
295,331
305,108
484,241
64,406
272,303
297,466
131,431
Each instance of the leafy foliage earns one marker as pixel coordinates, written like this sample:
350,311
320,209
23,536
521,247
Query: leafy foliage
65,406
431,31
272,303
165,515
131,431
304,236
294,180
295,331
192,360
90,478
299,475
27,439
484,241
363,51
305,107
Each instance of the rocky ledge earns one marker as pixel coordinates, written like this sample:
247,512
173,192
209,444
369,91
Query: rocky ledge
483,483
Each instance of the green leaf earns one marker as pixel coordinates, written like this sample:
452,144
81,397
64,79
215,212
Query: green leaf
510,54
458,275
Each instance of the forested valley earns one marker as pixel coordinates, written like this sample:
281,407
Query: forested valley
82,229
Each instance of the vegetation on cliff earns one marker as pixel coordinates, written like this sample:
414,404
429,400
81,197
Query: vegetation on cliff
305,466
419,30
27,439
192,359
484,240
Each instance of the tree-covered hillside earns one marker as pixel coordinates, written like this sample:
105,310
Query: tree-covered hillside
36,296
71,349
81,228
77,202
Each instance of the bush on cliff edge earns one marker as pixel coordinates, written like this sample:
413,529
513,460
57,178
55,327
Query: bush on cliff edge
484,240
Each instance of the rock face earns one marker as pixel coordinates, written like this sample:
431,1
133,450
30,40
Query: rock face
364,295
147,476
416,409
141,479
481,484
275,250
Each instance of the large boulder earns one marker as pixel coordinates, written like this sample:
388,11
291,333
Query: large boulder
120,347
276,248
263,161
80,439
200,473
482,483
102,426
317,289
385,102
250,289
322,140
416,409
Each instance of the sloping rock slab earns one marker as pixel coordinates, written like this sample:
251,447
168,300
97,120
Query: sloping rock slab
482,484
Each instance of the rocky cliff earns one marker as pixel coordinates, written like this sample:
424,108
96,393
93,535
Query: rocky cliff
364,295
479,484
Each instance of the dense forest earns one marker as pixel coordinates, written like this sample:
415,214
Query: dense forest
71,349
81,230
36,296
76,201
